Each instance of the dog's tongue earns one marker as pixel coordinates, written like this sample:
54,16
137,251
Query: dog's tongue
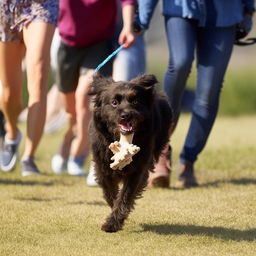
126,126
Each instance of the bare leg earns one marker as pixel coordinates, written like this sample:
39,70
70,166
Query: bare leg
11,54
68,138
54,103
69,102
83,114
37,39
77,106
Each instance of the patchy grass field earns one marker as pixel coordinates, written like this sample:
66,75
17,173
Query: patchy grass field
60,215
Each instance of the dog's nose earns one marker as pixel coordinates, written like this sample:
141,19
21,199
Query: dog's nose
125,115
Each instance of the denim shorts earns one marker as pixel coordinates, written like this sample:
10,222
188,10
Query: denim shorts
14,14
72,62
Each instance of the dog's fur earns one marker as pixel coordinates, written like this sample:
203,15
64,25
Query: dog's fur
127,107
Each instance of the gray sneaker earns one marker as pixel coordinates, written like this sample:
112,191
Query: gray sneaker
28,167
9,154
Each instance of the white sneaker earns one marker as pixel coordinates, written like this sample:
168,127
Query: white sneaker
74,168
91,178
59,164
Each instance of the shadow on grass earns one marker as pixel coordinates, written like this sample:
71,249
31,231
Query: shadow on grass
193,230
32,182
95,203
37,199
241,181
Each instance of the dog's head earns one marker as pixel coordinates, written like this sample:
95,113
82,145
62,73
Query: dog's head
123,105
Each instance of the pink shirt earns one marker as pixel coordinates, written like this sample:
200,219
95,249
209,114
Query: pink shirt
85,22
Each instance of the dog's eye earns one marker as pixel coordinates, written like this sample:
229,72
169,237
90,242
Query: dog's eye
135,102
114,102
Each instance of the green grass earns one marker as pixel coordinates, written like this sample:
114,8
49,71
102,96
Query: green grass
238,93
60,215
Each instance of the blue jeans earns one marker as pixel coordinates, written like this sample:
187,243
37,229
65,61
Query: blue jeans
130,62
212,47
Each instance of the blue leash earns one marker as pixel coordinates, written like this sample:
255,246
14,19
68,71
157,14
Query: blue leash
108,58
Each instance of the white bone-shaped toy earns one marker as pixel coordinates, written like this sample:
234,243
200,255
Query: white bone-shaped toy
123,151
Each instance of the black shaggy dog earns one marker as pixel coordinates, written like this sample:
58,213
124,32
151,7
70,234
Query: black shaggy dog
127,107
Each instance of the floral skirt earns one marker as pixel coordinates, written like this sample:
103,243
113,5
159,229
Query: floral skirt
14,14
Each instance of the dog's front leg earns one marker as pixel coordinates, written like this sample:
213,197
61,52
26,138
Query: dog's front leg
110,190
132,189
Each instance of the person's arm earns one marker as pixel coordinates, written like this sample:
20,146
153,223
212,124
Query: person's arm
245,26
146,10
127,35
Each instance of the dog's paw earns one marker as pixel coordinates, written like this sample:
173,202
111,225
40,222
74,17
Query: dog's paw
110,227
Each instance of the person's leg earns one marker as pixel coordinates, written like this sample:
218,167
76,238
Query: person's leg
11,54
56,117
213,54
77,106
37,38
181,38
68,137
74,104
67,75
59,161
80,145
69,103
55,114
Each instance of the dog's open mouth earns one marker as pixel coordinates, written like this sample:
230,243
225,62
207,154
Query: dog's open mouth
126,127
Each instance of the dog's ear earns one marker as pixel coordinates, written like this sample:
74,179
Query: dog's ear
98,84
146,80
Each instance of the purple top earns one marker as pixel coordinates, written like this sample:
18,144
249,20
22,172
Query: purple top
85,22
